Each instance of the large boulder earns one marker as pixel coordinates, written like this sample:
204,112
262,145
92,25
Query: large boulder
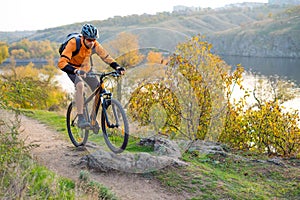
166,153
104,161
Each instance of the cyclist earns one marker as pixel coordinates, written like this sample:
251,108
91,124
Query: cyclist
78,65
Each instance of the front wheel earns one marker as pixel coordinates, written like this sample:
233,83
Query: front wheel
114,125
77,135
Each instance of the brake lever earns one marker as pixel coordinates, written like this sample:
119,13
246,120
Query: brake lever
116,74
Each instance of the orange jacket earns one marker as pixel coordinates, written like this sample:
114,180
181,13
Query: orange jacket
82,59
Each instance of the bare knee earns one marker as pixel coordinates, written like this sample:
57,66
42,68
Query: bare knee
80,86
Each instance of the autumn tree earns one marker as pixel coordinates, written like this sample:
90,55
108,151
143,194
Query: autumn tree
202,96
154,104
26,49
125,48
3,51
264,126
154,57
193,87
29,87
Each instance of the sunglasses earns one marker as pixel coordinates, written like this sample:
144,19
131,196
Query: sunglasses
90,40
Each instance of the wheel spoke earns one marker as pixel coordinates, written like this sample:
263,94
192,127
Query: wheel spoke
115,134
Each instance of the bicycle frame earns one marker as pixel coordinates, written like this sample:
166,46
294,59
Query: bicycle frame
92,117
113,122
99,94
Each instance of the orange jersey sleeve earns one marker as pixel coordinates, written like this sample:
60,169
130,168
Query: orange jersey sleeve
81,60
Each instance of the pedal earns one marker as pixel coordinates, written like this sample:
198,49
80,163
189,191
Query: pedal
96,129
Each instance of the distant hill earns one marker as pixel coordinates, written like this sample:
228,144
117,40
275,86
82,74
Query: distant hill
265,31
276,36
15,36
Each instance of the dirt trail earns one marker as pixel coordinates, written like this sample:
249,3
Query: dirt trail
58,155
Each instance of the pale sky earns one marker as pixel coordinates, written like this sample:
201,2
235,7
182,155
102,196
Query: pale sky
20,15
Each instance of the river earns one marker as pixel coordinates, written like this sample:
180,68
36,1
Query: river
286,68
283,67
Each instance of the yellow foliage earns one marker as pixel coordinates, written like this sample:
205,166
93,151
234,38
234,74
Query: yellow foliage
25,71
149,95
125,48
155,57
3,51
26,49
195,81
28,87
267,129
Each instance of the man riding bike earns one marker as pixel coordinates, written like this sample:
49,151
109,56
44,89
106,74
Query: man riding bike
78,65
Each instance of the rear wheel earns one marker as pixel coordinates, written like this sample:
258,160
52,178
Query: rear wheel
114,125
77,135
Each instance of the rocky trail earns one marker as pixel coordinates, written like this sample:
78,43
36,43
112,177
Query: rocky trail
60,156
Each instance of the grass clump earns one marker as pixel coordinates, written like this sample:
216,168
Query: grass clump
94,189
216,176
21,177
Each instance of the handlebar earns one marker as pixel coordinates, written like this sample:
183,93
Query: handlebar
103,75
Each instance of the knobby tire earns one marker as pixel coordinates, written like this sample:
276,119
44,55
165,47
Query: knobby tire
77,135
116,138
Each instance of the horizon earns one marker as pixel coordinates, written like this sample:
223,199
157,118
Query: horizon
32,17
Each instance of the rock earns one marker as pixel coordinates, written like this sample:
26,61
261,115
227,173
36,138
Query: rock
162,146
166,153
276,161
104,161
207,147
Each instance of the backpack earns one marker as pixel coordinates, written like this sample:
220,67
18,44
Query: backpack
68,38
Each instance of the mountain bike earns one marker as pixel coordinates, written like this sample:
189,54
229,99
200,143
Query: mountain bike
114,122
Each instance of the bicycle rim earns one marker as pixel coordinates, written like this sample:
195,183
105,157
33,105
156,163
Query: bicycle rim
77,135
116,136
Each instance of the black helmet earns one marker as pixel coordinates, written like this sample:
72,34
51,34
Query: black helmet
89,31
